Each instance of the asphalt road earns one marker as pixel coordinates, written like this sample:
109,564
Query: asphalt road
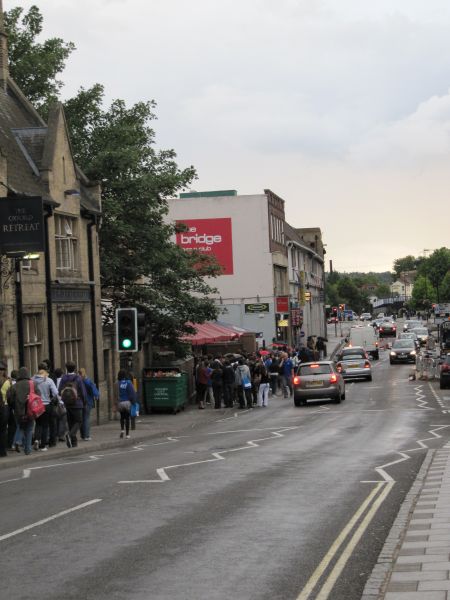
276,503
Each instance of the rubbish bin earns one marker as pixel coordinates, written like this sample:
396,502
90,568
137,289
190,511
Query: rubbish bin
164,388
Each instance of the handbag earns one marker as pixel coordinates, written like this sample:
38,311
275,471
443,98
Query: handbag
246,382
134,412
60,410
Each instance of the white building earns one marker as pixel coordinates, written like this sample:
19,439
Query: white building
247,235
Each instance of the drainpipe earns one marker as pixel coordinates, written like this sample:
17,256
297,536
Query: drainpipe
93,309
19,311
48,292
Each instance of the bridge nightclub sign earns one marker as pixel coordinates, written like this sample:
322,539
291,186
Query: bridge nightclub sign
212,237
21,225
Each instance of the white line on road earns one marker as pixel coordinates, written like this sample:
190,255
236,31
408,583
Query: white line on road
6,536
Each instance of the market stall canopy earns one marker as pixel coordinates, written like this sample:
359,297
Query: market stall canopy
211,332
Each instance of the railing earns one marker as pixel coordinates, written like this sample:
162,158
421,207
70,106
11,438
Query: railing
391,300
427,366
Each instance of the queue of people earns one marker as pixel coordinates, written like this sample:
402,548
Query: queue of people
67,398
248,381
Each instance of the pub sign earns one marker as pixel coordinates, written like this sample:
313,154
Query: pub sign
21,225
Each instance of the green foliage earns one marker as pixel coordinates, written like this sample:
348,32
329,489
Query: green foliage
444,290
423,294
140,265
435,267
33,65
407,263
383,291
139,262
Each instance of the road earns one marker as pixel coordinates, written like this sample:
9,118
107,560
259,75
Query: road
274,503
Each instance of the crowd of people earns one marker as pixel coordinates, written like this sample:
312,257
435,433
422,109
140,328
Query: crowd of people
67,397
249,381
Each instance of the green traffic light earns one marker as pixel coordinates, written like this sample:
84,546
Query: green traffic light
126,343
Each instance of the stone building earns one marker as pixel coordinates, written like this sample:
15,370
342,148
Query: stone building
50,301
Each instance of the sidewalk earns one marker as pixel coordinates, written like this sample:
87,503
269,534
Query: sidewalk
106,436
415,561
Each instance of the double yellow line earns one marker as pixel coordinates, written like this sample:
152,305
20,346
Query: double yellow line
374,500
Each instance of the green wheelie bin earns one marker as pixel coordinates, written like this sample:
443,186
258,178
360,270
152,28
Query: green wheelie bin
165,389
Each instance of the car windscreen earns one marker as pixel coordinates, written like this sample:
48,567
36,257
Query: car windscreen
352,352
413,324
354,356
315,369
403,344
420,330
407,336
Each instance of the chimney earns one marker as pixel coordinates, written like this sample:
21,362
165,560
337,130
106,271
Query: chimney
4,71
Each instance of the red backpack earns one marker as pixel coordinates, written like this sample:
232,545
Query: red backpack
35,406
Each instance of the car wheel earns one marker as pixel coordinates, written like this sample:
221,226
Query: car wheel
297,402
391,361
369,378
441,385
376,355
337,399
343,395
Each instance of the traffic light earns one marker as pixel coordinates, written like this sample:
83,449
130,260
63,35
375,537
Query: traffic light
142,326
126,330
341,307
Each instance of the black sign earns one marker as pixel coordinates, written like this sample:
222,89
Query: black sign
260,307
21,225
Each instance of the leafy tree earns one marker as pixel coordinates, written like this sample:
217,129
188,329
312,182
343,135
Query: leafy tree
435,267
33,65
444,292
407,263
423,294
140,265
383,291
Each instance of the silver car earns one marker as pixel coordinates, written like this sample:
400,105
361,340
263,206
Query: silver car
317,380
422,334
354,363
410,324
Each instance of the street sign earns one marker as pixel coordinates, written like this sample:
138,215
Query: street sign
21,224
282,304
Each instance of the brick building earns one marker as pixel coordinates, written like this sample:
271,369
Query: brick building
50,305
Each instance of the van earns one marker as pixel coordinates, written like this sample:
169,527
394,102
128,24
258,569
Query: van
365,337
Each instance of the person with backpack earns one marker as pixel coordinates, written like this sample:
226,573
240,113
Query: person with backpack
19,401
126,396
46,388
92,394
244,384
73,394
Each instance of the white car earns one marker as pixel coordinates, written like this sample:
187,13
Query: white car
365,317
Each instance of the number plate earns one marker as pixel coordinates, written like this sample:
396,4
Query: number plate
316,383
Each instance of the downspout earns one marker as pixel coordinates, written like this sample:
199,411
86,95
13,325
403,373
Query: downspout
48,292
93,309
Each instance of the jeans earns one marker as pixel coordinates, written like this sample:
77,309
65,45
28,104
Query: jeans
286,384
263,394
41,433
217,393
24,435
243,395
274,382
86,424
74,420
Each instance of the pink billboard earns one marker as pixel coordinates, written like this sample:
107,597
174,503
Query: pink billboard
209,236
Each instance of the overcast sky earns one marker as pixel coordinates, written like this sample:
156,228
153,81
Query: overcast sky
342,108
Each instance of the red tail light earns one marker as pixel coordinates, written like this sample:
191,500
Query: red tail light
333,378
296,380
367,365
381,329
445,368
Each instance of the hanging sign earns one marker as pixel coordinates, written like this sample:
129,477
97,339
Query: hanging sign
21,225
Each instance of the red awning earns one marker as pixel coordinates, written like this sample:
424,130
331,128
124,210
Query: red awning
209,333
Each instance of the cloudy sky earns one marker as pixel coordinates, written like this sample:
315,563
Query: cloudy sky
340,107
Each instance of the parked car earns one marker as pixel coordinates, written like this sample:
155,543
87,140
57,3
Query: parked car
365,317
387,328
422,334
317,380
403,351
353,363
444,375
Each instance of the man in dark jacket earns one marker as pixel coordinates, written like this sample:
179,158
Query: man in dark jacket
73,394
19,399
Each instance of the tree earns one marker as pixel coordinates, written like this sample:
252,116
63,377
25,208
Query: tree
444,292
35,66
423,294
383,291
140,265
435,267
407,263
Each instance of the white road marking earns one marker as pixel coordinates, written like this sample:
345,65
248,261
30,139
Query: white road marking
6,536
